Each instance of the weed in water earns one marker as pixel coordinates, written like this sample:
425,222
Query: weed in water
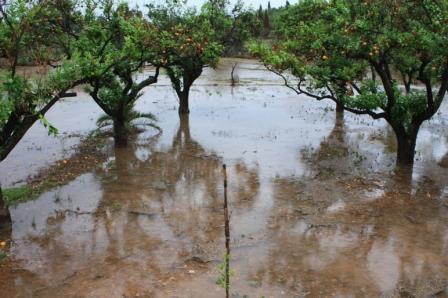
17,194
116,206
3,255
221,280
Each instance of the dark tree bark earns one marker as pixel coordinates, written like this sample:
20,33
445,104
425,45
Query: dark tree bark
118,112
406,141
339,121
183,84
20,122
120,132
5,217
183,101
444,161
184,128
339,108
406,149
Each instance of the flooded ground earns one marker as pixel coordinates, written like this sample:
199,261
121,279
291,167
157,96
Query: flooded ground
317,208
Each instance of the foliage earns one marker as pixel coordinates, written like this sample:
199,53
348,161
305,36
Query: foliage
335,49
117,206
221,280
133,120
3,255
232,25
51,129
188,41
25,27
186,37
24,100
16,194
122,42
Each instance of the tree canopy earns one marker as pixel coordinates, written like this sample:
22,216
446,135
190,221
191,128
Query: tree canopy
189,43
336,49
25,99
122,42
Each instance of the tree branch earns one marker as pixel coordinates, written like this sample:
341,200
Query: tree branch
332,97
12,135
148,81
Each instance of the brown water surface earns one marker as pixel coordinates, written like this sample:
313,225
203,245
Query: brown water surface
317,206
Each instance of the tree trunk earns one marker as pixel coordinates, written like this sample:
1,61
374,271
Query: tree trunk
5,217
406,148
120,132
407,86
183,101
339,108
403,179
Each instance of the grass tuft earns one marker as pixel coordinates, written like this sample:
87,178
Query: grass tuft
17,194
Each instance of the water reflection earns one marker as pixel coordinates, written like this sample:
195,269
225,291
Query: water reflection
352,233
395,242
317,208
137,224
347,152
327,234
383,265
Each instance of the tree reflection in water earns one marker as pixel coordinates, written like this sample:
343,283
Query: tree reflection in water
150,217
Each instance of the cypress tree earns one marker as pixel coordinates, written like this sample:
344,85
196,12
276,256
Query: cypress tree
266,23
260,12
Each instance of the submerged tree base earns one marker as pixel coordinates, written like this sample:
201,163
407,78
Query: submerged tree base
406,150
184,111
121,141
183,104
5,219
5,216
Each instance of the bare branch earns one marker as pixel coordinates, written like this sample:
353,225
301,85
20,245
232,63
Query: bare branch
299,90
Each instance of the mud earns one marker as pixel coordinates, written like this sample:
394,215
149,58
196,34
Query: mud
87,155
317,208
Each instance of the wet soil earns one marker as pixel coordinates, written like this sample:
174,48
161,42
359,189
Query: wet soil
317,208
87,155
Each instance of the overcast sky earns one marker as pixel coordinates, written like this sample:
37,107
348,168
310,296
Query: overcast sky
198,3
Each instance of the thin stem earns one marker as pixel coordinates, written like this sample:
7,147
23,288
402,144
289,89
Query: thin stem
226,232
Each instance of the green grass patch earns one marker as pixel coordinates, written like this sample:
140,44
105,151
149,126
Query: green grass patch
24,193
117,206
61,172
3,255
17,194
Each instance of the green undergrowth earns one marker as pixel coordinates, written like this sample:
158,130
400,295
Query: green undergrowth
3,255
17,194
61,172
28,192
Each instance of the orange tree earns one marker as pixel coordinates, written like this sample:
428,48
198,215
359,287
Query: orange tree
188,42
233,24
387,59
28,31
122,42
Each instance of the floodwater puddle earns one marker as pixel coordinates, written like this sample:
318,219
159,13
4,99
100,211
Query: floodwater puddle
317,208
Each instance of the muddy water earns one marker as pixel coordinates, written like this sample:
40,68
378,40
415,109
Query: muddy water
317,208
